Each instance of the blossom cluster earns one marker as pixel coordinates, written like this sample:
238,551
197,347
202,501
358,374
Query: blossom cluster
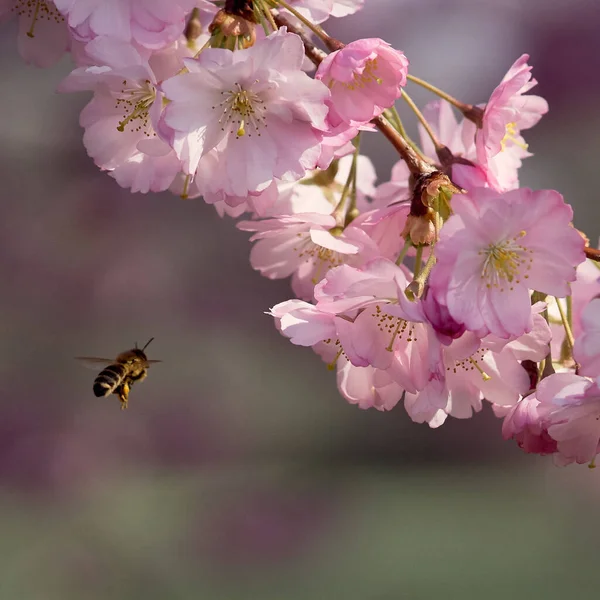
443,288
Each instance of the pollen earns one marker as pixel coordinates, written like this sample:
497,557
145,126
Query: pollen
394,326
512,135
135,100
322,259
37,10
243,110
368,76
505,263
473,363
339,352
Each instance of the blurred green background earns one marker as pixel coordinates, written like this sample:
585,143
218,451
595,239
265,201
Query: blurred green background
238,472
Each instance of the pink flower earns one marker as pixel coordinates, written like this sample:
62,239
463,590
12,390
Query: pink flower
583,290
149,23
384,226
343,8
255,109
119,121
367,387
381,328
496,248
507,113
303,323
459,138
500,171
303,246
569,406
365,77
43,33
319,11
524,424
466,371
587,346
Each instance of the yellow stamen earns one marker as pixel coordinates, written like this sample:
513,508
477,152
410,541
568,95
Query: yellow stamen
512,135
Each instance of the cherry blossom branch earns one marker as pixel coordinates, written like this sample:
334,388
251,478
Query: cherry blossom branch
592,253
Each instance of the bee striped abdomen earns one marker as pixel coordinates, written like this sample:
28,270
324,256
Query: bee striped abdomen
109,379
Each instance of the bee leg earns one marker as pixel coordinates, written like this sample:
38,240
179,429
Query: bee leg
124,395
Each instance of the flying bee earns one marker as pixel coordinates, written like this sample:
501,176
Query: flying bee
119,374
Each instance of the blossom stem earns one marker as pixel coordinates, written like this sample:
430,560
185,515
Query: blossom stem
565,321
422,120
318,31
418,260
407,246
267,13
417,285
460,105
340,212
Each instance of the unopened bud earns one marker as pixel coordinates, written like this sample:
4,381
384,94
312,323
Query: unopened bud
193,28
420,228
234,26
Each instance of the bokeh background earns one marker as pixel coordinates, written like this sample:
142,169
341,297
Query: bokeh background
238,472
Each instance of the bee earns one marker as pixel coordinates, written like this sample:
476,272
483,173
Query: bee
119,374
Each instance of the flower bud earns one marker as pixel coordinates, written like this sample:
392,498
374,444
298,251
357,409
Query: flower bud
420,228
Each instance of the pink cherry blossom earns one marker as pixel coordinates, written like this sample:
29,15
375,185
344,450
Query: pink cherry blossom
365,77
468,370
303,323
524,424
585,287
367,387
43,36
499,172
120,120
508,112
381,328
153,24
319,11
384,226
343,8
255,109
569,407
303,246
587,346
495,248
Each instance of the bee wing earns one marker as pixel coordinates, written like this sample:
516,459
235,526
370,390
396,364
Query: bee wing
91,362
149,362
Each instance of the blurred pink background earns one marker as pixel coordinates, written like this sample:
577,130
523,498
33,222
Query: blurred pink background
238,472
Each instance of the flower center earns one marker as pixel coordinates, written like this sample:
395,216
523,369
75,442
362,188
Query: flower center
512,136
244,110
471,364
135,101
362,80
505,262
322,258
37,9
396,327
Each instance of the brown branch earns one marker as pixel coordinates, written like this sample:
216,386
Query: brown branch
416,165
592,253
